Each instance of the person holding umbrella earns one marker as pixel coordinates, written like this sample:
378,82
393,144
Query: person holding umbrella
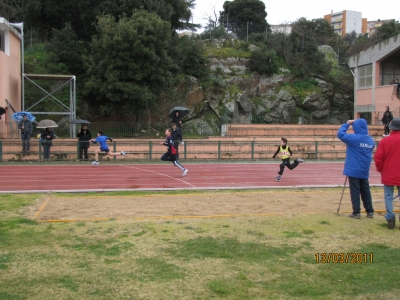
26,128
46,137
177,119
176,114
84,136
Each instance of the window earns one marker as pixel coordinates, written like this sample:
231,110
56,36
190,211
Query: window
365,76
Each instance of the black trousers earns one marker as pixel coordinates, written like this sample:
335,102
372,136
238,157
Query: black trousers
360,187
83,150
387,130
172,158
286,163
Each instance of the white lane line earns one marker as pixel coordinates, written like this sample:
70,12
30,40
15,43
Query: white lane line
130,167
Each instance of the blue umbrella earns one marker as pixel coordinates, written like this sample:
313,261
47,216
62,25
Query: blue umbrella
19,116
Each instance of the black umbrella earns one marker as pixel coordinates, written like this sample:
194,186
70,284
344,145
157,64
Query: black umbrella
183,111
80,121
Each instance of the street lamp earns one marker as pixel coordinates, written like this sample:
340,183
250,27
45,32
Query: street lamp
20,26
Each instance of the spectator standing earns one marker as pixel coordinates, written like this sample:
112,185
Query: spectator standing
177,119
84,136
386,119
387,163
359,148
176,137
26,128
47,137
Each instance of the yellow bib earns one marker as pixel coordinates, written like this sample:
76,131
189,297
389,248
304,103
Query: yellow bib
284,153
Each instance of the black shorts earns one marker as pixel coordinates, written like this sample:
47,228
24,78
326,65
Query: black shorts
105,150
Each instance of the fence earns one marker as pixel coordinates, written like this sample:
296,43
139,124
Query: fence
197,128
151,150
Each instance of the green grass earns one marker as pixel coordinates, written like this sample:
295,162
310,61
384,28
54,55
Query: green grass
229,258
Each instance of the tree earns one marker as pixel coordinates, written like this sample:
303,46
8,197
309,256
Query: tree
45,15
192,60
129,67
301,48
68,49
12,10
239,14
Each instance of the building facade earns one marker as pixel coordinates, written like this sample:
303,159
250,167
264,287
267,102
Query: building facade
375,69
347,21
10,71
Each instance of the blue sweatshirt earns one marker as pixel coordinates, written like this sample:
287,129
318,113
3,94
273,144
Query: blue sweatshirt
102,139
359,149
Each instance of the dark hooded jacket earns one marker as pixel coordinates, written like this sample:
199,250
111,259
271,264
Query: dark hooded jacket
359,149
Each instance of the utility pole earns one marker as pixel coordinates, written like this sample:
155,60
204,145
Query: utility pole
247,31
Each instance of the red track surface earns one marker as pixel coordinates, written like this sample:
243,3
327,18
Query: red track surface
165,176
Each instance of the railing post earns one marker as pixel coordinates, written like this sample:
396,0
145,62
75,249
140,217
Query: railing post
150,149
115,149
40,150
316,149
219,150
77,150
184,149
252,150
1,150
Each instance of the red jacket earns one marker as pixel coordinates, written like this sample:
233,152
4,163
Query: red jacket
387,159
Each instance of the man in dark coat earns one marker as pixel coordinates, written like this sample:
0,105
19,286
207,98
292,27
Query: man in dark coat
26,128
176,136
386,119
84,142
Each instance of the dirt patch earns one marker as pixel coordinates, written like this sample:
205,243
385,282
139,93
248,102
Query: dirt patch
214,204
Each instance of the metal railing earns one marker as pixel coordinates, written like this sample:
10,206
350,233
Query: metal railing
191,150
199,128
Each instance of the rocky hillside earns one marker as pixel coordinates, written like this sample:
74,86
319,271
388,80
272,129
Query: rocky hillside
235,95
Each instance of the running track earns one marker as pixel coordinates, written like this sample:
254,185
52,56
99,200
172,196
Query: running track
108,177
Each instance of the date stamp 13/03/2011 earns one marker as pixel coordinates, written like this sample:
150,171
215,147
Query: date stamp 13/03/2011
344,258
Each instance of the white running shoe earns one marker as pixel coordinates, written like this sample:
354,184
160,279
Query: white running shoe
182,143
123,153
95,162
184,172
300,160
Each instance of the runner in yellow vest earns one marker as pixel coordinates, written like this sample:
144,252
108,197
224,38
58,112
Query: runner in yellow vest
286,153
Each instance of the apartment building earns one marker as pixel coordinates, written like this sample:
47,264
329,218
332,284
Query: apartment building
347,21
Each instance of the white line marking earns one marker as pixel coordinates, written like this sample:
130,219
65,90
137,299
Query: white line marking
159,174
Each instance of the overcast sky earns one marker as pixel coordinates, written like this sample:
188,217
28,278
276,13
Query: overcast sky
290,10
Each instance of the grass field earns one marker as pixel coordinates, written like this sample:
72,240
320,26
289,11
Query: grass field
274,257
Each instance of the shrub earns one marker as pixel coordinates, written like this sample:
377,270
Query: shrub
264,62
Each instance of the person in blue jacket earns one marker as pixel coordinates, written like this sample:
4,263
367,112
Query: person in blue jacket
359,148
102,140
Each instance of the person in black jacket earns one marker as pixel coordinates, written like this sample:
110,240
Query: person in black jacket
386,119
84,142
176,136
177,119
46,138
